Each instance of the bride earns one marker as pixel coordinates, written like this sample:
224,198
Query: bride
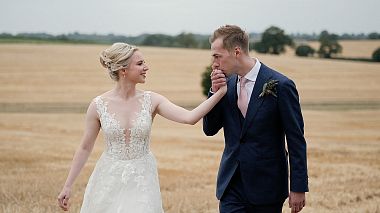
125,177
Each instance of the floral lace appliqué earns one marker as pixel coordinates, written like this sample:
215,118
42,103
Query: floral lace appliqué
115,135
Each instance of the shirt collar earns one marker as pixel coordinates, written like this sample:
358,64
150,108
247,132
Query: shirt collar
252,74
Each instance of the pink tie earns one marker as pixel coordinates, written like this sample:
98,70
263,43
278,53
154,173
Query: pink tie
243,97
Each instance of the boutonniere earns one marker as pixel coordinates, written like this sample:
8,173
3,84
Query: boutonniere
269,88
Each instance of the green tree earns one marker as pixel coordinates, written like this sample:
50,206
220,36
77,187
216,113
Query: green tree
204,44
206,80
329,45
258,47
305,51
186,40
62,38
274,40
158,40
374,35
376,55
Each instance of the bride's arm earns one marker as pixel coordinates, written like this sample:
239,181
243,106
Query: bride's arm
92,128
168,110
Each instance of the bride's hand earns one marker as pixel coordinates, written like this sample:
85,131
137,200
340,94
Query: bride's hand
223,84
63,198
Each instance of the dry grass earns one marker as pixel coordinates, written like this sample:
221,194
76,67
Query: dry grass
36,148
72,73
359,49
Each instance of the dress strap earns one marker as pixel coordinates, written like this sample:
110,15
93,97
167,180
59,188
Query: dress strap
101,106
147,102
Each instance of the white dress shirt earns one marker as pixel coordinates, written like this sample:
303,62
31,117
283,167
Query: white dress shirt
251,79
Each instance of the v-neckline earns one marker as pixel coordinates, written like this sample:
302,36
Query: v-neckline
133,121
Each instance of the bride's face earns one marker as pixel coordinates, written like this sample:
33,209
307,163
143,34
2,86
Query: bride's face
137,69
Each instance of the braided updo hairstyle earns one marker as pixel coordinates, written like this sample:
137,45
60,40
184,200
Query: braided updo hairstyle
116,57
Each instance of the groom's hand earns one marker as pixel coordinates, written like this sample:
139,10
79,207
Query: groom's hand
297,201
218,80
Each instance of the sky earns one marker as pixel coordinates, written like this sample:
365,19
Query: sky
125,17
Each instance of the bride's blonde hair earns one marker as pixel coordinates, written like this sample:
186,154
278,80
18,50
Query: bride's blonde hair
117,57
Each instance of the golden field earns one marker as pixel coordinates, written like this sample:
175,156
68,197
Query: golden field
354,48
39,132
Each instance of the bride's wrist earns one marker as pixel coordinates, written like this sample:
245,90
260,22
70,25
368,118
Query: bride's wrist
67,186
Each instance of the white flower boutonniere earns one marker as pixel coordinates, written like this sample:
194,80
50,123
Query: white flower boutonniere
269,88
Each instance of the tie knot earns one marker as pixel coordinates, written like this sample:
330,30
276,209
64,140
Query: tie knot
243,81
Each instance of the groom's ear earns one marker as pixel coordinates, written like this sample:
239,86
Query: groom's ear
237,51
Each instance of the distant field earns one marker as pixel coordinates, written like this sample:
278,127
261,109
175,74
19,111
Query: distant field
360,48
72,74
341,102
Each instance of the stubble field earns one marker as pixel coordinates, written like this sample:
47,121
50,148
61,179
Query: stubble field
44,90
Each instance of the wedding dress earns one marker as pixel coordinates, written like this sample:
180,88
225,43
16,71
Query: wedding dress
125,177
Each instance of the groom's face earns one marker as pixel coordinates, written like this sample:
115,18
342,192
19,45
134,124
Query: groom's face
222,59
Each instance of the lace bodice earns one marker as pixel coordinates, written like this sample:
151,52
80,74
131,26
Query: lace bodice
126,143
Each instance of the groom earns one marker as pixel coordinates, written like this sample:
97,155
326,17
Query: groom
260,110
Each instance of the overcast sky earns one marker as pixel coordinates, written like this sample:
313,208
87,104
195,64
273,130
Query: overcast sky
197,16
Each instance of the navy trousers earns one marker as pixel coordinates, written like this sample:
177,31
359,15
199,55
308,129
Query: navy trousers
235,201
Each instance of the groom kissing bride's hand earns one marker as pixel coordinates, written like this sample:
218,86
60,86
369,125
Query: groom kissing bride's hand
218,79
263,130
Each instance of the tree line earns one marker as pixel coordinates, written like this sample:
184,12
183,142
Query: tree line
272,41
185,40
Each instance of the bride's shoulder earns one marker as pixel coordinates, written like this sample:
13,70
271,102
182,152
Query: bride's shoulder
154,95
105,95
100,100
155,98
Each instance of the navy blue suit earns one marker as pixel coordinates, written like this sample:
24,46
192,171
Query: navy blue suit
255,146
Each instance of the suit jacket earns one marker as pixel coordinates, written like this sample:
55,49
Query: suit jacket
258,144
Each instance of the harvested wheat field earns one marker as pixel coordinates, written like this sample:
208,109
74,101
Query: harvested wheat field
354,48
44,90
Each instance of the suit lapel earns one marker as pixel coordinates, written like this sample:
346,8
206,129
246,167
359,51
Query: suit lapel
255,102
232,96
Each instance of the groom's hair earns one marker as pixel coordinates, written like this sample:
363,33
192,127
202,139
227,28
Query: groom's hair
232,36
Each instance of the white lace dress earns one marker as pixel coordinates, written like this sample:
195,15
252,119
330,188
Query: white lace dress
125,177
